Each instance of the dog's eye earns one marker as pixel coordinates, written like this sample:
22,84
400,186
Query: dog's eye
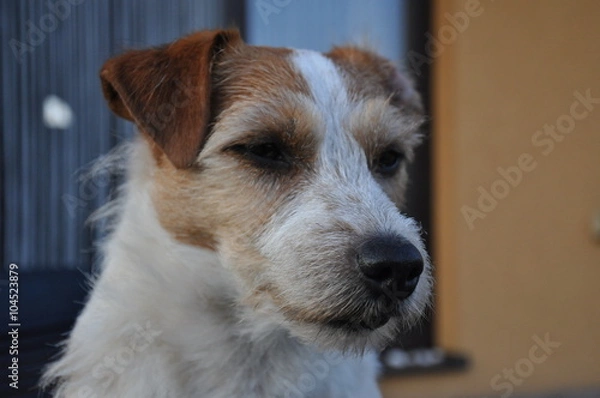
270,152
264,154
388,162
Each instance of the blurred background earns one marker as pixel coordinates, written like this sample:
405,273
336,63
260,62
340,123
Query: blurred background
507,183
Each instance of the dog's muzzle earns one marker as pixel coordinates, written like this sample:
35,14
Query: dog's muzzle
391,267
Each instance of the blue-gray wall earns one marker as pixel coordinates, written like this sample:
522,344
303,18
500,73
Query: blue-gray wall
317,25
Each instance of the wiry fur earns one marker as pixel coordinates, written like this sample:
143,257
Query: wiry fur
223,280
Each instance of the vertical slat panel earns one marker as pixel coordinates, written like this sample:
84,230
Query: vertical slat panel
44,202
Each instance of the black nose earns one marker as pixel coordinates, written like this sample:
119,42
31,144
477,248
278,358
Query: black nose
391,266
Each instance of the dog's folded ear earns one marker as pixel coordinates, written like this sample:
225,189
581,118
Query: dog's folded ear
368,66
166,91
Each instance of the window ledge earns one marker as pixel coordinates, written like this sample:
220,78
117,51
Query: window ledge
399,362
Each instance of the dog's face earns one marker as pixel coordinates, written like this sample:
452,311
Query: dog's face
291,165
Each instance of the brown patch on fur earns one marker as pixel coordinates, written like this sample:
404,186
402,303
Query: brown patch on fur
378,127
198,78
370,75
226,201
290,129
255,73
174,200
226,198
166,90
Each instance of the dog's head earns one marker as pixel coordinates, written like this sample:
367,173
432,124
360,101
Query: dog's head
291,165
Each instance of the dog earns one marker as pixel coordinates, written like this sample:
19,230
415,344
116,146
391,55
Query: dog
259,249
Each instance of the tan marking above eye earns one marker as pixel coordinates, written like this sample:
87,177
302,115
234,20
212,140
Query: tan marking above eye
378,127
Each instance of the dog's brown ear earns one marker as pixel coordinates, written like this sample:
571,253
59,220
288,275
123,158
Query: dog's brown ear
166,91
371,68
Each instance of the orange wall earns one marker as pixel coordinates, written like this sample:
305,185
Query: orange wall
531,266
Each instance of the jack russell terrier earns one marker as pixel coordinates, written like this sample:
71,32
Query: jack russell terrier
259,249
